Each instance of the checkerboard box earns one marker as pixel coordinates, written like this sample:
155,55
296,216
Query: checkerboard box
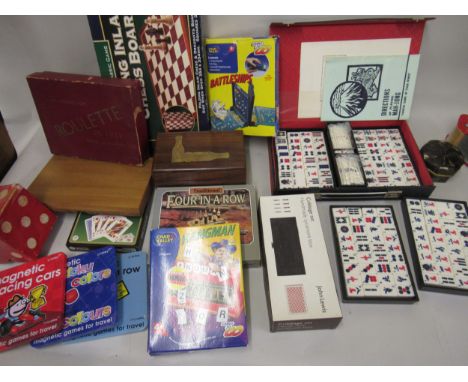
165,54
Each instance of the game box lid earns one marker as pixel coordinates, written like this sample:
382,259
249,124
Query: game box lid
91,117
199,159
196,206
313,52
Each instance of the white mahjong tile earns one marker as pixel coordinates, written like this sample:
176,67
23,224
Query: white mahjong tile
461,282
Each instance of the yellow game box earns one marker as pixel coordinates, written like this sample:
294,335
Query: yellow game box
242,84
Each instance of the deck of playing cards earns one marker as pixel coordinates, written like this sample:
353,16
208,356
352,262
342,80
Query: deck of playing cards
124,233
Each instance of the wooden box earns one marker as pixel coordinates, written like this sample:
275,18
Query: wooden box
80,185
199,159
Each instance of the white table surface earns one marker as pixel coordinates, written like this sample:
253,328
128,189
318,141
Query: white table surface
431,331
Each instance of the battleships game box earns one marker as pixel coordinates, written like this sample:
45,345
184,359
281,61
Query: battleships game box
242,84
165,54
196,289
197,206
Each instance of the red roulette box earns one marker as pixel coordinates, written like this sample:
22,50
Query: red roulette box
91,117
304,158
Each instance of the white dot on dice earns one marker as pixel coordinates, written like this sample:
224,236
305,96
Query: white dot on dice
44,218
6,227
31,243
23,201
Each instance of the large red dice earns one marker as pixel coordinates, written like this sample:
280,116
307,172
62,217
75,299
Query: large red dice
25,224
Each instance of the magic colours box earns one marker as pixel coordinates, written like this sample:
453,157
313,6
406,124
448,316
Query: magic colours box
196,289
90,298
32,299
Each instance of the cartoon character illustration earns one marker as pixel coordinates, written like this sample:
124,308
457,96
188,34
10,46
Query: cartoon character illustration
17,315
222,255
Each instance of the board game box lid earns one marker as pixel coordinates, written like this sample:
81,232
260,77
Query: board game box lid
306,47
197,206
91,117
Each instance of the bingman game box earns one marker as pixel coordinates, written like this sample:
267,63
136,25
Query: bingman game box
196,289
164,53
346,90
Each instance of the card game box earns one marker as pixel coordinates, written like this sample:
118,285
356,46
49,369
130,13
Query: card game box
371,259
91,117
125,234
438,235
165,54
32,299
199,159
132,298
333,59
198,206
242,84
90,296
299,284
25,224
196,289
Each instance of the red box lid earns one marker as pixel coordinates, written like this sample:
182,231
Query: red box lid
91,117
293,35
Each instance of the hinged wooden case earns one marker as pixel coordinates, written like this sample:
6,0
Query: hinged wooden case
199,159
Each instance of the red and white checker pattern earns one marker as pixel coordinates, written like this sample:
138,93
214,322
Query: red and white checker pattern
178,120
296,298
171,71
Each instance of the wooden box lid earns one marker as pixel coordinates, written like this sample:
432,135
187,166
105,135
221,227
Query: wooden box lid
72,184
199,158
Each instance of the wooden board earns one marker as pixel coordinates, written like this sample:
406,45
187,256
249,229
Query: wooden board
199,159
72,184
